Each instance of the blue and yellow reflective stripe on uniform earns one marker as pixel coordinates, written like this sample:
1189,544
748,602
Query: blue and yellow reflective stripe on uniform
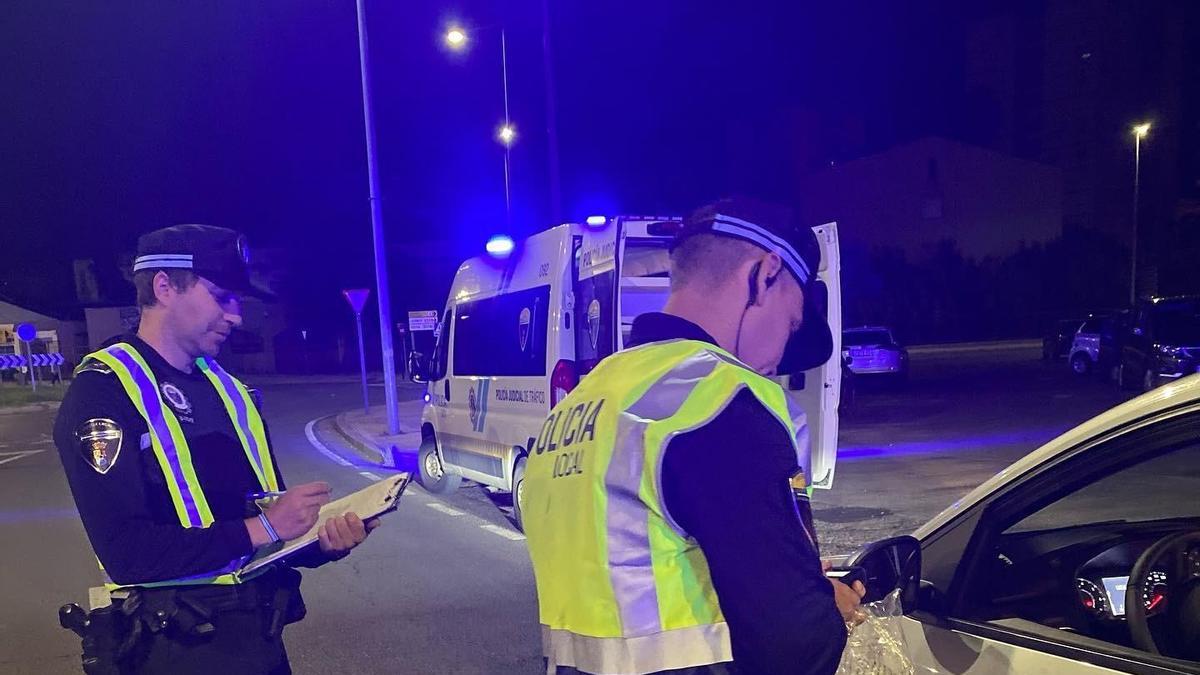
166,436
174,455
246,421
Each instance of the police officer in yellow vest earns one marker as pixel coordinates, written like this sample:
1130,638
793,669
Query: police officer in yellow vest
163,451
662,520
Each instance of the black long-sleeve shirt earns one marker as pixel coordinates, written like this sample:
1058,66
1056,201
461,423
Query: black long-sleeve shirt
127,509
728,484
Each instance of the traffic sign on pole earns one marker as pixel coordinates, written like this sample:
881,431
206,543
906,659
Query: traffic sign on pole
357,297
423,320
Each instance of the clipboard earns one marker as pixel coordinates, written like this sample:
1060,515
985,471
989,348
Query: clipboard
374,500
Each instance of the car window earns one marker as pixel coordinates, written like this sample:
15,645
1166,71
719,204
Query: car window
1177,324
594,315
441,350
503,335
1092,326
1172,477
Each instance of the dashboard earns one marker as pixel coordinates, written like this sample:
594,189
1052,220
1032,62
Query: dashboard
1102,592
1075,578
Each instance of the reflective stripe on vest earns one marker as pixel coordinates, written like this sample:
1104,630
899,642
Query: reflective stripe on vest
173,453
621,587
246,421
170,447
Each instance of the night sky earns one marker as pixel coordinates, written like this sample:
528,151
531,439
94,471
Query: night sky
120,117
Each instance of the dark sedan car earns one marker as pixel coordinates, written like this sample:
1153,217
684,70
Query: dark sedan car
1162,344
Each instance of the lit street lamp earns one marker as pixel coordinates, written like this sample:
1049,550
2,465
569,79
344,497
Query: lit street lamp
456,38
507,134
1139,132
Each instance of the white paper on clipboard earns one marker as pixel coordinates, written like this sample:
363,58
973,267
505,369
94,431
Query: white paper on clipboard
374,500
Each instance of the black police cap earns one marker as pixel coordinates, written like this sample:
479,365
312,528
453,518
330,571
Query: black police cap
218,254
772,228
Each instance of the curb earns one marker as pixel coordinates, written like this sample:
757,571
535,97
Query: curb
32,407
369,447
361,445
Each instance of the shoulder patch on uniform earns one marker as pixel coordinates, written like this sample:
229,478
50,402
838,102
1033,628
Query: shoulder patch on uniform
100,443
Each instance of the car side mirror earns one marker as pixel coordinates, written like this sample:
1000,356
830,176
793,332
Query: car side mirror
890,564
418,368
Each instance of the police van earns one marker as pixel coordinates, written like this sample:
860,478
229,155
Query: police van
519,332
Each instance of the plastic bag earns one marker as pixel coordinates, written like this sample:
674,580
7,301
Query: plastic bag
876,646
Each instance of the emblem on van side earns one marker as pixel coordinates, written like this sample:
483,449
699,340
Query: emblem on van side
523,327
593,317
473,406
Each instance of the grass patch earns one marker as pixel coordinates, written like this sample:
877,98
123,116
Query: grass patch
12,394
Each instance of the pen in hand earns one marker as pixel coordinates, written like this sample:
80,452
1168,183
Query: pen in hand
255,496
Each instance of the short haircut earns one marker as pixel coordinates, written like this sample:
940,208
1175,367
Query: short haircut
143,282
705,261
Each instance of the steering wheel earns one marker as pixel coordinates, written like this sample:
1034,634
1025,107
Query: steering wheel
1182,551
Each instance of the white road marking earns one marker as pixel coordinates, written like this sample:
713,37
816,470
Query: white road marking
369,475
507,534
312,439
442,508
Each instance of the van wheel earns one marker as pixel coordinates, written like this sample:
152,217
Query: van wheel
430,472
1081,364
518,494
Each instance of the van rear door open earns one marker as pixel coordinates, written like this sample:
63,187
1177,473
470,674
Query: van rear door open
620,272
623,249
818,391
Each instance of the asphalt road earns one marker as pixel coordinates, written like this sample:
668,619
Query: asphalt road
445,585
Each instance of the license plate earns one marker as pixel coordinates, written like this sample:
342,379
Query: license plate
860,353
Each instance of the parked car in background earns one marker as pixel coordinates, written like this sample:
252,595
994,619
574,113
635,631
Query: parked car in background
1056,343
1162,343
873,350
1097,344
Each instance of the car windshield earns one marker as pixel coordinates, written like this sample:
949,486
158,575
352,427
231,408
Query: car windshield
1172,477
1178,325
859,338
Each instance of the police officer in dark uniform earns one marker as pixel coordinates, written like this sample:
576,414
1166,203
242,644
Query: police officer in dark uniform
163,451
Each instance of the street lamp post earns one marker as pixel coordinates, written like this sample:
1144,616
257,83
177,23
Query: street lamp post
456,38
381,275
551,116
507,134
1139,132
